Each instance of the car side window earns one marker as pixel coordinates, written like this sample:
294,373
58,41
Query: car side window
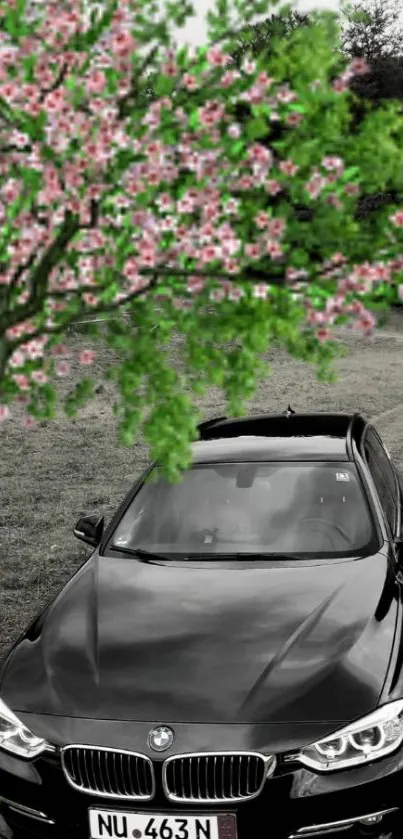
383,476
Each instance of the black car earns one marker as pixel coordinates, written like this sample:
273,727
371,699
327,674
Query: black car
228,663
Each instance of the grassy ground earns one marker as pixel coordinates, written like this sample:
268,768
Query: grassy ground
51,475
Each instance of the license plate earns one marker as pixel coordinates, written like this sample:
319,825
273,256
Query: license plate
109,824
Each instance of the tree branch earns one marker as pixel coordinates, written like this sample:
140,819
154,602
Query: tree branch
16,276
56,83
8,347
41,273
124,100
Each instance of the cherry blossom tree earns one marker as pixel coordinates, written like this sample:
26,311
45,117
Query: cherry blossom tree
175,216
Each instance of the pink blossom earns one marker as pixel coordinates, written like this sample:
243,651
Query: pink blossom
60,349
217,58
262,219
288,167
339,85
276,227
333,164
4,412
246,182
148,257
217,295
35,348
232,206
195,284
211,113
123,43
273,187
190,82
185,205
273,249
90,299
231,266
352,189
29,422
338,258
367,321
86,356
261,291
22,381
62,368
209,253
315,185
293,119
211,212
253,250
164,202
170,68
39,376
154,149
260,154
138,284
96,82
248,66
397,218
255,95
236,294
229,78
358,67
17,359
334,200
234,131
293,274
365,270
264,79
284,95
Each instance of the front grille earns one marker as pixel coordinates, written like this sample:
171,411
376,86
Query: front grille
110,773
215,777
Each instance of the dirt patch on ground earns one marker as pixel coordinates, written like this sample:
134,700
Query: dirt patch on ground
66,468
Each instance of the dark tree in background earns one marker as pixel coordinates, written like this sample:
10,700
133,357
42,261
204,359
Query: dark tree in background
372,29
258,38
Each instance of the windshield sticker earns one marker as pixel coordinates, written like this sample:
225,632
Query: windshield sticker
342,476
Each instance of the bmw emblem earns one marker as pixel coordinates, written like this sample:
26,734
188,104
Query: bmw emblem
161,738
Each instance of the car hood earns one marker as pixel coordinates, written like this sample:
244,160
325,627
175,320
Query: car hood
132,640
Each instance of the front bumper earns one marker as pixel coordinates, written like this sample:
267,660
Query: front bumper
36,800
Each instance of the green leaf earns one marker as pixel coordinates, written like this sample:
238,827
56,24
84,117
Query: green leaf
164,85
237,148
350,173
297,107
194,120
257,128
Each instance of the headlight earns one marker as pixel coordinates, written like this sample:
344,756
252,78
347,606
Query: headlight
17,739
375,736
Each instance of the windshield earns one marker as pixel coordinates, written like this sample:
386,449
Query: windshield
311,509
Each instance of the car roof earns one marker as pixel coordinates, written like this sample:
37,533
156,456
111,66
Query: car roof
275,437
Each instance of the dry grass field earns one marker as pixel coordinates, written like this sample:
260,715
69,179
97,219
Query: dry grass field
52,474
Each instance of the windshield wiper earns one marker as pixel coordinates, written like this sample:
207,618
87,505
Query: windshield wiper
245,555
143,554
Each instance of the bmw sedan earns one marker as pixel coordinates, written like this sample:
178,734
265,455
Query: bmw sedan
228,663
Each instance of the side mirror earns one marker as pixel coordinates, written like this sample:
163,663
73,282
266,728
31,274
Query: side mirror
90,529
399,547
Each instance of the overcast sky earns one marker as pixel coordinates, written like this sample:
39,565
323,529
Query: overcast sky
194,32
